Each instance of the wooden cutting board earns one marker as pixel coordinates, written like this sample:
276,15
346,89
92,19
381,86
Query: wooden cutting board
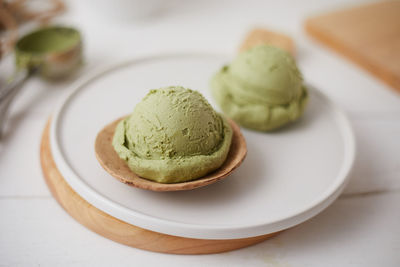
369,35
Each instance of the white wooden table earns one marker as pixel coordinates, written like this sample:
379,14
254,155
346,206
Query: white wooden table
362,228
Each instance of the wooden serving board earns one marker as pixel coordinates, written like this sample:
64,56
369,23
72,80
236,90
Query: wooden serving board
122,232
369,35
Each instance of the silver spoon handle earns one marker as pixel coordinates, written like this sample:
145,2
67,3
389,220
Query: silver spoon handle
8,93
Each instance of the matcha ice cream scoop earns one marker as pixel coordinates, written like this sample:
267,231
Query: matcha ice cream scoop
262,89
173,135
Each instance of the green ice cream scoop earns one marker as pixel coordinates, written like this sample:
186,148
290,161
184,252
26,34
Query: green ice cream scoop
262,89
173,135
56,51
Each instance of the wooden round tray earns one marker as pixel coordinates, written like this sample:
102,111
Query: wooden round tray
122,232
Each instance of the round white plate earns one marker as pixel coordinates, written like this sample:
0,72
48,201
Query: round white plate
288,176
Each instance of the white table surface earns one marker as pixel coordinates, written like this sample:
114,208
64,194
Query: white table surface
361,228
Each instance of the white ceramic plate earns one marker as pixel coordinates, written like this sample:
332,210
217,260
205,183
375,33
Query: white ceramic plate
288,176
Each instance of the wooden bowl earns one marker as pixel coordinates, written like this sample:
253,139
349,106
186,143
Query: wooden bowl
118,168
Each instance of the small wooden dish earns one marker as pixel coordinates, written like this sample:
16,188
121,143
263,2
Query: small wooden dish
118,168
263,36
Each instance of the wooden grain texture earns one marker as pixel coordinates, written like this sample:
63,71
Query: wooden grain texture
369,35
118,168
260,36
122,232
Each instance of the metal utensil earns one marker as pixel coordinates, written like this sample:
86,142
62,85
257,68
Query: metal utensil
54,62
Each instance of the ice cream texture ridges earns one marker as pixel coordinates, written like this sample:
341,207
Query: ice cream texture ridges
262,89
173,135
